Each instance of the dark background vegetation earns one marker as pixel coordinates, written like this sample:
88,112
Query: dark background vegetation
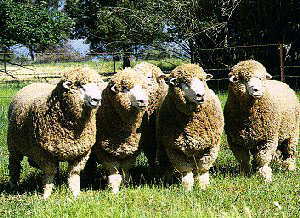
213,33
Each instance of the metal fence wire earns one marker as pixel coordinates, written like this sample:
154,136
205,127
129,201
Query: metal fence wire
282,61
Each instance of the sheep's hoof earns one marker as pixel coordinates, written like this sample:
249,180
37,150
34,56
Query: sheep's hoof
266,173
289,164
114,182
188,181
203,180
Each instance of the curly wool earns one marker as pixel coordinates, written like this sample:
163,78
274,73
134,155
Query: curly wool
187,131
49,124
118,123
61,125
157,88
272,119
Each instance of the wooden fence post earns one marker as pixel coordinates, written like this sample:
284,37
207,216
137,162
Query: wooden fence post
281,62
4,60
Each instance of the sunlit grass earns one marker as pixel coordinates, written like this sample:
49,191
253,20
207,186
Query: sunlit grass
229,195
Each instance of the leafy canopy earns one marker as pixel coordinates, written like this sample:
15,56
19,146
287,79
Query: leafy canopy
32,25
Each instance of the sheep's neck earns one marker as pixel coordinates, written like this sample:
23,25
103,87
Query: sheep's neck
69,116
113,121
245,102
177,114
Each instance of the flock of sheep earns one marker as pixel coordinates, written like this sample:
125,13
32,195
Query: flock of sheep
175,119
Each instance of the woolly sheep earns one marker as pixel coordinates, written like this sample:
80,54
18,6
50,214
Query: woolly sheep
53,123
119,119
189,125
261,116
157,88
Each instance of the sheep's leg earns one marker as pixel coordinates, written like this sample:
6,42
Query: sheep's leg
263,158
126,166
90,168
14,167
74,174
150,146
289,151
164,168
202,180
50,170
114,179
184,166
253,152
241,154
204,164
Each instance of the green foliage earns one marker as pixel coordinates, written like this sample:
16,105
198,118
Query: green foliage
116,25
32,25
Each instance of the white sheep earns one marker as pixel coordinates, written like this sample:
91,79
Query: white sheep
53,123
189,126
119,119
157,89
261,116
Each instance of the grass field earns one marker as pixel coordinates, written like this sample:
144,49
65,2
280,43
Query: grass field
229,195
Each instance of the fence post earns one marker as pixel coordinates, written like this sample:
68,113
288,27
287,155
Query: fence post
114,58
4,60
281,62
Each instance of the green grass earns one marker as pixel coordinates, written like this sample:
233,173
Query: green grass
229,195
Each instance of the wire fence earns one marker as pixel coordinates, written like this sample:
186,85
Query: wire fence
281,61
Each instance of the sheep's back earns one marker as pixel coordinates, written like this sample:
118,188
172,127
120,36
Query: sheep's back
275,114
18,114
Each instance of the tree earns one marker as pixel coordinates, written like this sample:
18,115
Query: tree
268,21
32,25
117,25
198,24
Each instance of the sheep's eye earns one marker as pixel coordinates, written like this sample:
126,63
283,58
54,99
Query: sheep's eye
125,89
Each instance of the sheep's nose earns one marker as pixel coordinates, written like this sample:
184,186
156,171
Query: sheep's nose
200,95
255,89
142,102
96,99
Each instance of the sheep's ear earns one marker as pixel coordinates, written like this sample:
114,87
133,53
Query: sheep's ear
268,76
172,81
162,76
67,84
209,76
232,78
113,88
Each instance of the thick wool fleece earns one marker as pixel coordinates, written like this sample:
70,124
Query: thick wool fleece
118,124
49,124
190,134
157,89
261,125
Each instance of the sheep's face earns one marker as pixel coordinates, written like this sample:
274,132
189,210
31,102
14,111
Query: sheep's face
249,77
89,93
134,96
193,90
152,73
129,88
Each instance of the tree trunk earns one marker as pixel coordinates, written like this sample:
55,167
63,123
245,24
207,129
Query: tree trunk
126,60
192,51
31,54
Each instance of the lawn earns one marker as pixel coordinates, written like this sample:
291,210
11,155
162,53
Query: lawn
229,195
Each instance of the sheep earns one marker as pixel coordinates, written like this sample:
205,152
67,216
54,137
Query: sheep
119,119
157,88
189,126
261,116
53,123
